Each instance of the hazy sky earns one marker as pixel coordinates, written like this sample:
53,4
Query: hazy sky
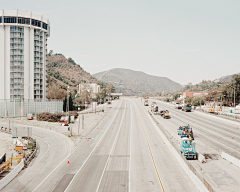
184,40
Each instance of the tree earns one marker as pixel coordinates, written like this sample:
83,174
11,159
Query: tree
188,99
176,96
65,104
71,106
196,101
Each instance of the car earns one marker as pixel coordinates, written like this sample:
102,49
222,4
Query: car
178,106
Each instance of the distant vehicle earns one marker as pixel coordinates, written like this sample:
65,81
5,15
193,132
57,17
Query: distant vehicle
187,107
188,148
178,106
146,103
109,102
165,114
210,110
154,108
185,131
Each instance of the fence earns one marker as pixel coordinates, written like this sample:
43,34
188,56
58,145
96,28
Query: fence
17,108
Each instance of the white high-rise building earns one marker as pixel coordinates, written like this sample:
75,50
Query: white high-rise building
23,49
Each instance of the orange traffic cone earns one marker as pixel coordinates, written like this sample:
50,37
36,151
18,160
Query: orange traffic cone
237,127
97,127
87,139
176,114
232,137
107,115
193,121
103,119
68,161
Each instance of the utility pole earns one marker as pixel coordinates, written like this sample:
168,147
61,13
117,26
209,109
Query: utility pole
67,107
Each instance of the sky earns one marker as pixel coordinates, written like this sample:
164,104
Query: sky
184,40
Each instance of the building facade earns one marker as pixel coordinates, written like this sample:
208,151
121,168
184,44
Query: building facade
23,50
92,88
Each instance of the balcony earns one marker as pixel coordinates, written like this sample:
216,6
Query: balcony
16,53
16,59
36,49
36,59
16,42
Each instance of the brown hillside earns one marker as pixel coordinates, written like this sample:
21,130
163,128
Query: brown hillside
63,72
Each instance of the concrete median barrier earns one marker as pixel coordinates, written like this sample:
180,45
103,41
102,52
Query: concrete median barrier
9,177
197,182
231,159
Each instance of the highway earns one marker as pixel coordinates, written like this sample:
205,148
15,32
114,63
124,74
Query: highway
123,153
213,135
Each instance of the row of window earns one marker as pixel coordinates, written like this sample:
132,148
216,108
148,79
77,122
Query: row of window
21,20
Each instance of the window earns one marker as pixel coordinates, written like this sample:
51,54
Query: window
44,26
10,19
0,19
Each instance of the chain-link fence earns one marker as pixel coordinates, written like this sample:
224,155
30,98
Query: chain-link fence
16,108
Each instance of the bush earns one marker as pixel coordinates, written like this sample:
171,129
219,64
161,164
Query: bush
54,117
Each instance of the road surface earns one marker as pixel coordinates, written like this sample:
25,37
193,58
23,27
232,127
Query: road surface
123,153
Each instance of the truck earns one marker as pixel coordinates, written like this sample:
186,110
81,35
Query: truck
188,148
187,107
154,108
146,102
185,131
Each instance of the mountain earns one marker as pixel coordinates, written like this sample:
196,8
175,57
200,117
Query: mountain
226,78
131,82
63,72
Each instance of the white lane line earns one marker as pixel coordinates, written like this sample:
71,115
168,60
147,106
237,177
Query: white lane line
114,143
28,169
91,152
64,160
130,143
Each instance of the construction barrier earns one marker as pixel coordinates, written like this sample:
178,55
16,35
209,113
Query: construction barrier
9,177
231,159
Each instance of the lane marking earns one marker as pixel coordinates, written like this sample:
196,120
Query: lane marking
92,150
155,166
64,160
215,141
130,143
114,143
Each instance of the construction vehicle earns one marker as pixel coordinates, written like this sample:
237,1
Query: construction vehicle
187,107
210,110
165,114
188,148
146,102
154,108
185,131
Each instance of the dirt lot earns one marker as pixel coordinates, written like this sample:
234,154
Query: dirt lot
7,145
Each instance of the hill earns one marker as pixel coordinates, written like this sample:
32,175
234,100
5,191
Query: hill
226,78
63,72
131,82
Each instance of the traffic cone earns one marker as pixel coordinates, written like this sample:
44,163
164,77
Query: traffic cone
97,127
68,161
232,137
193,121
176,114
87,139
237,127
107,115
103,119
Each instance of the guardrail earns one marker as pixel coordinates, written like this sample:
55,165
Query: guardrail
31,157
